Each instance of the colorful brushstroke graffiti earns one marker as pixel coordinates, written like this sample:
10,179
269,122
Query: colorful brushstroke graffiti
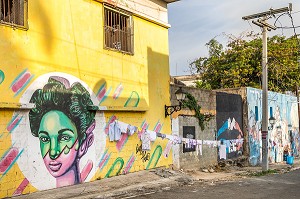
118,91
103,93
21,81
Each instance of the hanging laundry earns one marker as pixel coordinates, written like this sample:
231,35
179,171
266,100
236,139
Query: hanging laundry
131,130
163,136
186,143
123,126
169,137
174,138
222,152
152,135
199,147
145,138
114,131
167,149
141,131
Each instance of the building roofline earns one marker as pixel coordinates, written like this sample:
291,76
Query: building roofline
170,1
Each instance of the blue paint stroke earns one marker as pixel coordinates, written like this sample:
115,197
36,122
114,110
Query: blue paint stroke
223,128
106,161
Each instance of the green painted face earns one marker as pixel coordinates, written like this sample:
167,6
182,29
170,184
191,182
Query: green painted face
56,133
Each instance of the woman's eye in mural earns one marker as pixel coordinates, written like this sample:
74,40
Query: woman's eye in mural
44,138
64,138
65,135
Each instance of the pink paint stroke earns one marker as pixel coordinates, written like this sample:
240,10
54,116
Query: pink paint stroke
103,161
101,94
13,124
86,170
129,164
144,127
168,149
118,91
158,128
21,81
21,187
8,159
122,141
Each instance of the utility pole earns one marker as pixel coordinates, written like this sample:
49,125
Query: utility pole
262,22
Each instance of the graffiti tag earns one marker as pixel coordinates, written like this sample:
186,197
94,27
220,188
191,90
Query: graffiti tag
145,155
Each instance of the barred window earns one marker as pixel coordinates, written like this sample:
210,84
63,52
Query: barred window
13,12
118,30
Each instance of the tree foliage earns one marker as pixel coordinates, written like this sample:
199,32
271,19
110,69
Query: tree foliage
239,64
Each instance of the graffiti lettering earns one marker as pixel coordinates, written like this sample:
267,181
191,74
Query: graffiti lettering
145,155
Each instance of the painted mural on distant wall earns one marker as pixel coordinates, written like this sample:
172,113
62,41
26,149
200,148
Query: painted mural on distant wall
283,136
229,122
64,140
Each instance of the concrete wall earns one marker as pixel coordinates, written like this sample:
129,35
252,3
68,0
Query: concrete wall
61,58
185,119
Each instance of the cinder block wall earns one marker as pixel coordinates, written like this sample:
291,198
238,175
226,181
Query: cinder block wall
193,160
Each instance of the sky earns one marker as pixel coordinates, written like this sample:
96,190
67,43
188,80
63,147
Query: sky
195,22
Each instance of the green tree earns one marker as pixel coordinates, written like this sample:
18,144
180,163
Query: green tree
239,64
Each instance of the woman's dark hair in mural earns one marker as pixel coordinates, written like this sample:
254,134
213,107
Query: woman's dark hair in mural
73,101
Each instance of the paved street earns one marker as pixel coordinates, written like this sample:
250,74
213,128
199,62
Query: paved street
271,186
232,182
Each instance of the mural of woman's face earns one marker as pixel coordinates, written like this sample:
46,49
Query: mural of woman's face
58,142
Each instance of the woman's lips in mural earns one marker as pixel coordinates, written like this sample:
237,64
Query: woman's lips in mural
55,166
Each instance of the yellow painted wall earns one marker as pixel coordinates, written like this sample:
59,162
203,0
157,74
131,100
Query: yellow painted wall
65,38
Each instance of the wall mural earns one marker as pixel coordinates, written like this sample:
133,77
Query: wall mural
63,140
283,136
63,137
229,121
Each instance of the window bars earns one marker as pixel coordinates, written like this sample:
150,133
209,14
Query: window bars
118,30
13,12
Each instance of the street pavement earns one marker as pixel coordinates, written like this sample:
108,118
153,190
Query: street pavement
143,183
271,186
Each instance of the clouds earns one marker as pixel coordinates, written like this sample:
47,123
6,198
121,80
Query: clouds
195,22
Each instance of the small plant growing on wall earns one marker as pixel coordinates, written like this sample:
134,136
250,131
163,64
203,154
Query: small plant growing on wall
191,103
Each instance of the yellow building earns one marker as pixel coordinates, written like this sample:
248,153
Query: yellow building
83,84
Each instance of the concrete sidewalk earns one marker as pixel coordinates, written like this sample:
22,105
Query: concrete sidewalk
147,182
